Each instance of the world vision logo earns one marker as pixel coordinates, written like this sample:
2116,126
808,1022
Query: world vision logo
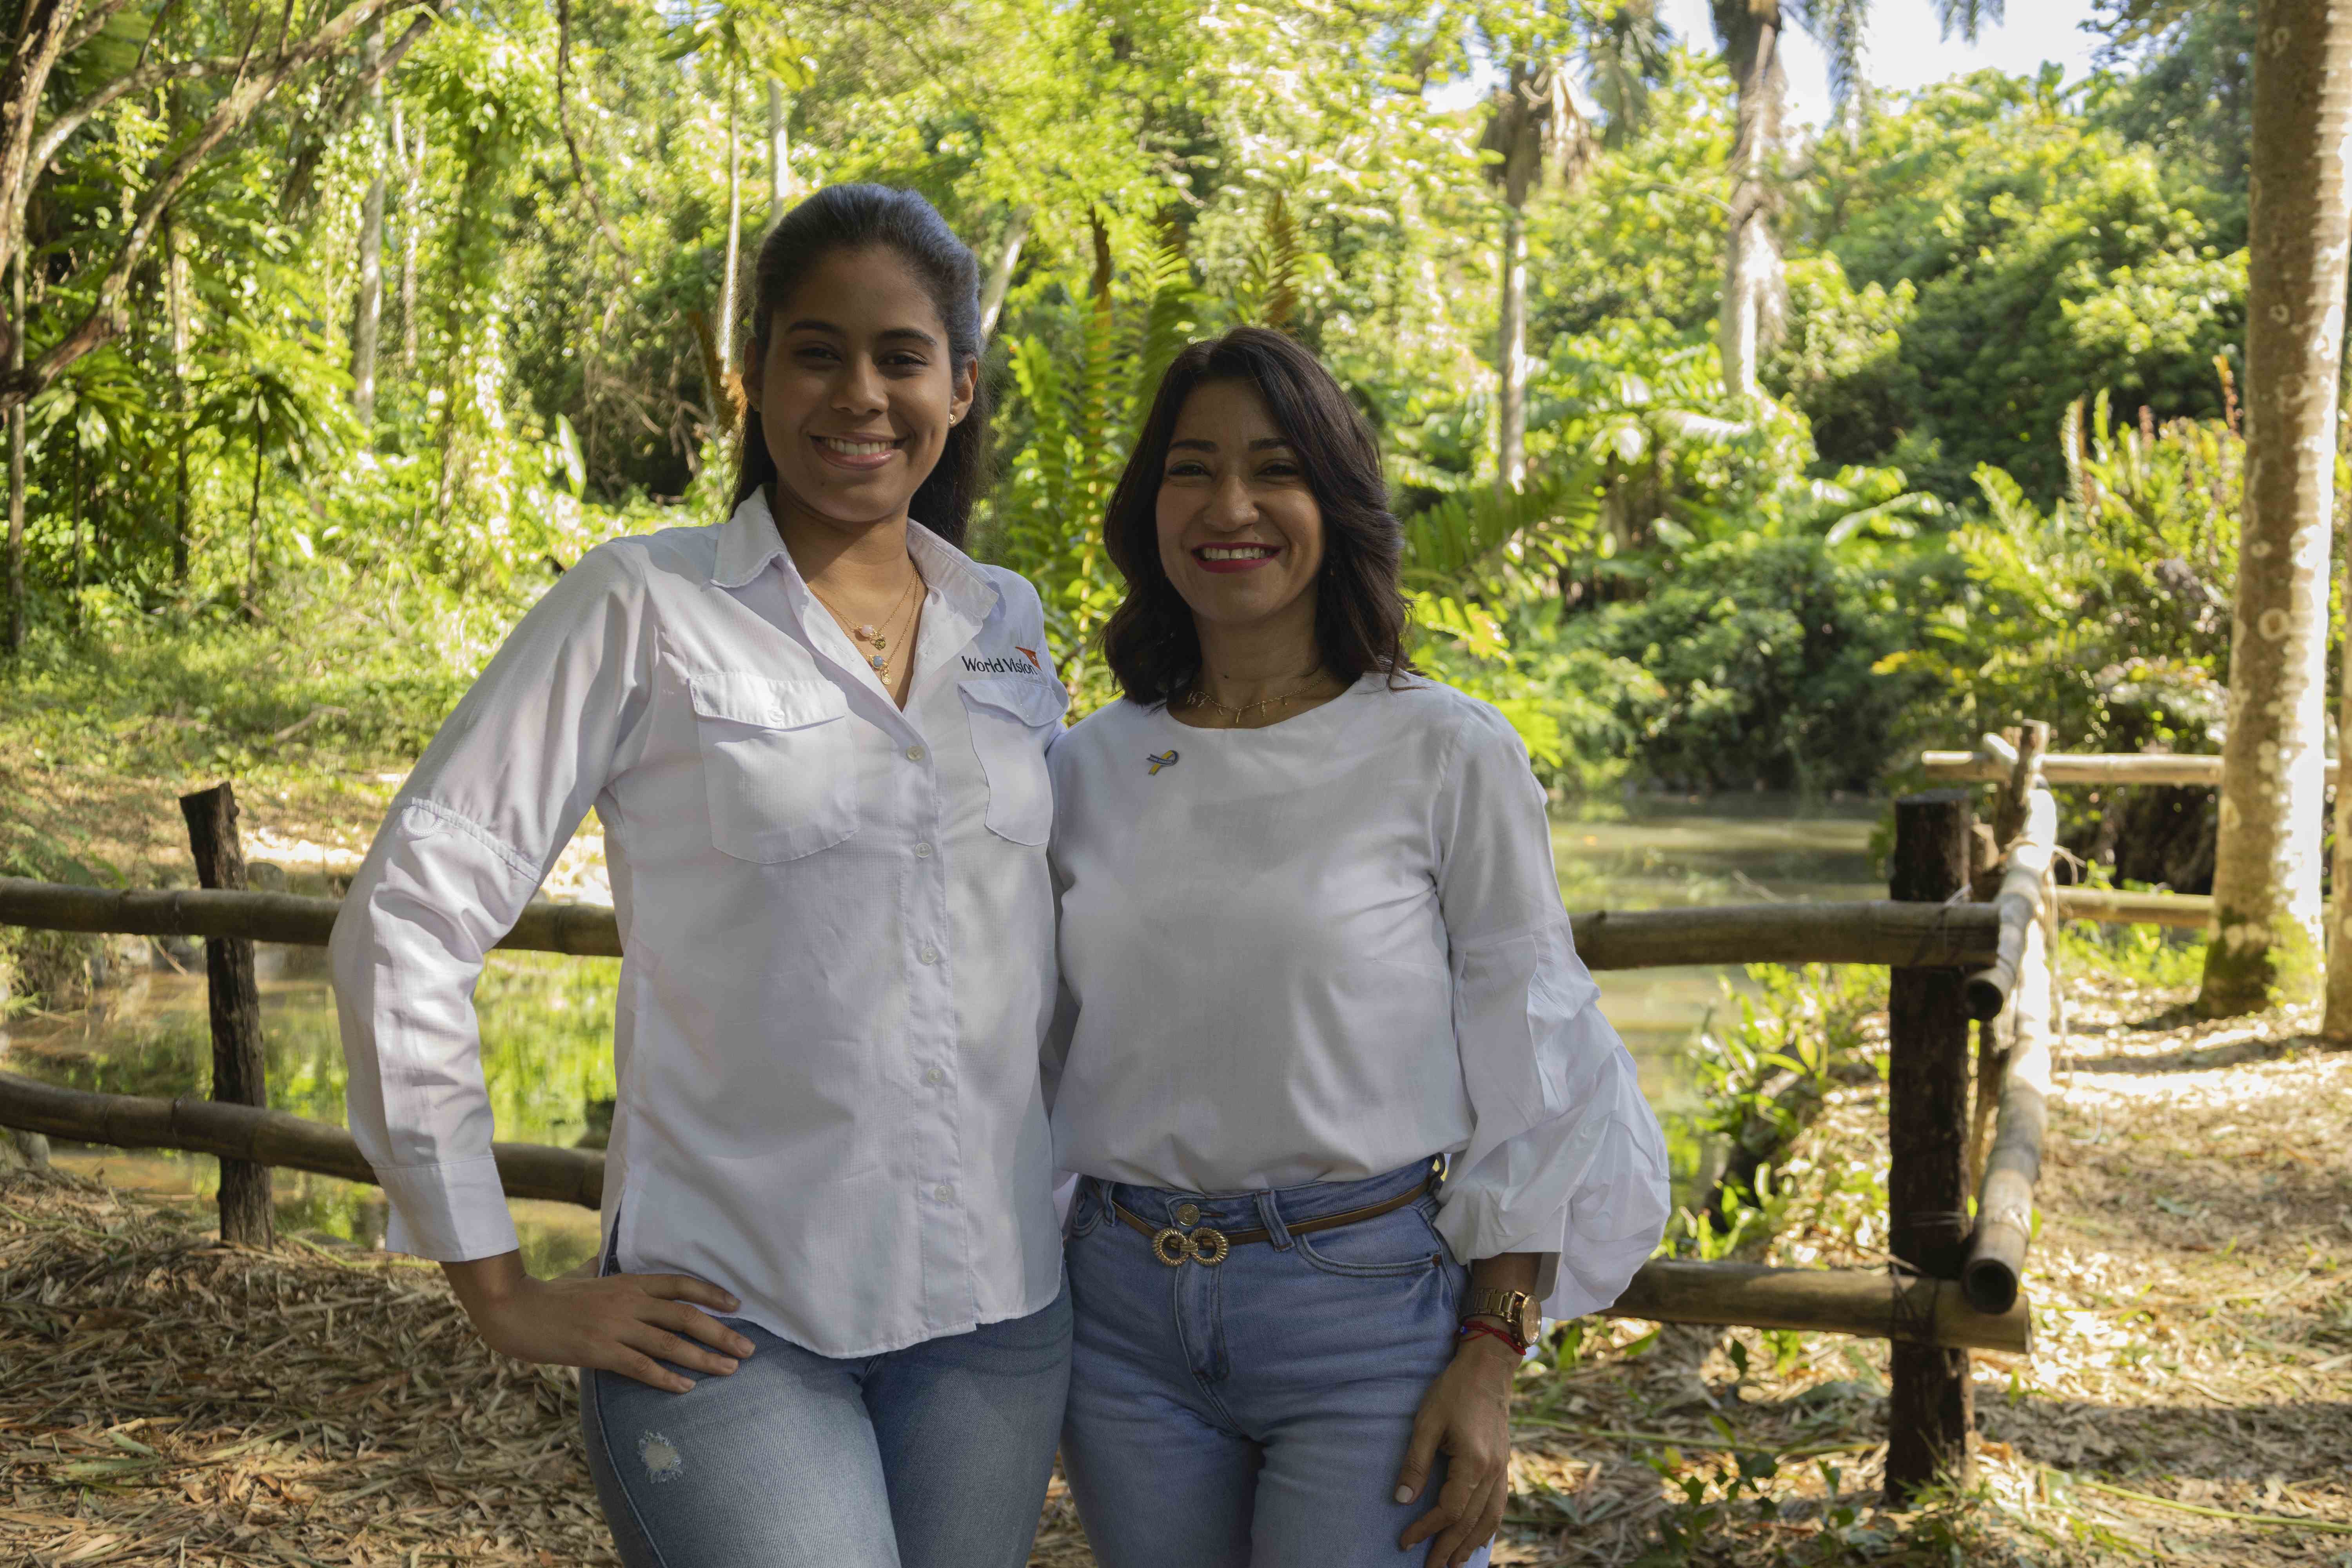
1004,666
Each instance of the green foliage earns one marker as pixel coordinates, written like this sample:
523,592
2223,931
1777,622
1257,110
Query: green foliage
2050,259
2109,614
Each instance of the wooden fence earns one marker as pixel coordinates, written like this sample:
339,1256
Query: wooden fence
1954,962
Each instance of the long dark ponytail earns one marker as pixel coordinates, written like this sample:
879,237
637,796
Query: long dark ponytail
861,218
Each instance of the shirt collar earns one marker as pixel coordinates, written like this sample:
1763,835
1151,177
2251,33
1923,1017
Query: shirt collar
748,542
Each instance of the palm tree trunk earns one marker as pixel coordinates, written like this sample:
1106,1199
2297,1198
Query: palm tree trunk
734,229
1511,354
780,164
367,310
2266,909
412,174
1000,277
1755,287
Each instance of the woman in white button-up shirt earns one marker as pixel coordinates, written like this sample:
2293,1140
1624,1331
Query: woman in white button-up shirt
1313,944
829,1325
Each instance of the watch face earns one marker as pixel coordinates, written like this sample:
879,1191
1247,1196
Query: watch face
1530,1320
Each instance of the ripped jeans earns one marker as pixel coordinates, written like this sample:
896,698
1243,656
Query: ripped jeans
936,1455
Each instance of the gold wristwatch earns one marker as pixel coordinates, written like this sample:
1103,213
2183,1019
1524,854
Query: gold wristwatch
1517,1310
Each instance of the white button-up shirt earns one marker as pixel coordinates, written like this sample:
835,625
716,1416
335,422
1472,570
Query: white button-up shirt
1333,946
837,921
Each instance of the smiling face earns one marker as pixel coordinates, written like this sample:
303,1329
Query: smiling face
1241,535
855,390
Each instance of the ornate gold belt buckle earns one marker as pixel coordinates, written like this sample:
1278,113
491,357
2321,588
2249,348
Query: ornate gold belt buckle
1206,1247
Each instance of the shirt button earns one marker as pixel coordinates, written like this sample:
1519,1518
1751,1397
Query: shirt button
935,1076
943,1192
929,955
922,851
914,754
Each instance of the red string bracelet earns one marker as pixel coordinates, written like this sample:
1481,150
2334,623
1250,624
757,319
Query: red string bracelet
1474,1327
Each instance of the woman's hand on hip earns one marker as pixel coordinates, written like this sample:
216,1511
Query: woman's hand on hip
1466,1416
627,1323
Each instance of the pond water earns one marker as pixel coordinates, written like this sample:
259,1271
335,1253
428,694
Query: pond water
545,1018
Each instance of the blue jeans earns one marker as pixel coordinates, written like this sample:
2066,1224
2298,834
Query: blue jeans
1254,1414
932,1457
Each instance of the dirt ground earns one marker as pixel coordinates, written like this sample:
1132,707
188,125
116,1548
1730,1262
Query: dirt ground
163,1400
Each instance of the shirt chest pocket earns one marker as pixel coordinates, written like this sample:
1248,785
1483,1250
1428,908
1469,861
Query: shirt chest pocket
1011,719
778,763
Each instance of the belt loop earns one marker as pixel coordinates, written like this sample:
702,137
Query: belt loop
1269,1214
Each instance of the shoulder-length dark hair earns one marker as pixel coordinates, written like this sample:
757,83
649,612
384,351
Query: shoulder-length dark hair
1151,643
864,217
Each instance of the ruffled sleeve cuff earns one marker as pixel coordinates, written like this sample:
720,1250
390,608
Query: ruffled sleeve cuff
1585,1190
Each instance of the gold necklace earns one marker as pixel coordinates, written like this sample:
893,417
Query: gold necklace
1197,698
878,637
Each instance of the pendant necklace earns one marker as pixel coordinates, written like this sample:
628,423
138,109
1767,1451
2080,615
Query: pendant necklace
1198,698
877,637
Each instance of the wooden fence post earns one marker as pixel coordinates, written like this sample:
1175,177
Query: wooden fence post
239,1072
1931,1409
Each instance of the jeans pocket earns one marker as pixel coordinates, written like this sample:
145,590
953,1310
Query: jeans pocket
1396,1245
1086,1212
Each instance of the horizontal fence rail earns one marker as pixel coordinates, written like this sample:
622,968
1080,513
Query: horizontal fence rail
1868,1303
1865,1302
1863,931
267,1138
2082,768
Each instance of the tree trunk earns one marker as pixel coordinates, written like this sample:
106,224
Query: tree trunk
175,305
367,310
1000,277
2266,909
412,174
1511,354
16,466
253,524
734,230
1755,287
780,164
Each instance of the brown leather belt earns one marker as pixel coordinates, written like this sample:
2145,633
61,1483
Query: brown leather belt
1177,1245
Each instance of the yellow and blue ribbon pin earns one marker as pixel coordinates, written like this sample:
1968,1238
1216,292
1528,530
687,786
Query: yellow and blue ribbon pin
1159,763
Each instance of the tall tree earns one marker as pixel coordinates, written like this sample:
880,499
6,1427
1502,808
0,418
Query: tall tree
2266,907
47,32
1755,279
367,308
1535,129
1538,132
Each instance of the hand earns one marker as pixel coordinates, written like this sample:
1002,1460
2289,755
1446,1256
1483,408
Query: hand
1466,1416
620,1322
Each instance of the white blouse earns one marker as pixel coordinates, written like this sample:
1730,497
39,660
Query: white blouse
838,926
1327,948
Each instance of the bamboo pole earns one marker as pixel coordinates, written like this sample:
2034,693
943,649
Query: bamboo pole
1863,931
2188,910
2004,1227
1930,1409
240,1071
1869,1303
582,929
2081,768
2024,775
267,1138
2017,905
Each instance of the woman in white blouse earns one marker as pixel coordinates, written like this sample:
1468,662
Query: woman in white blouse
1313,951
830,1326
